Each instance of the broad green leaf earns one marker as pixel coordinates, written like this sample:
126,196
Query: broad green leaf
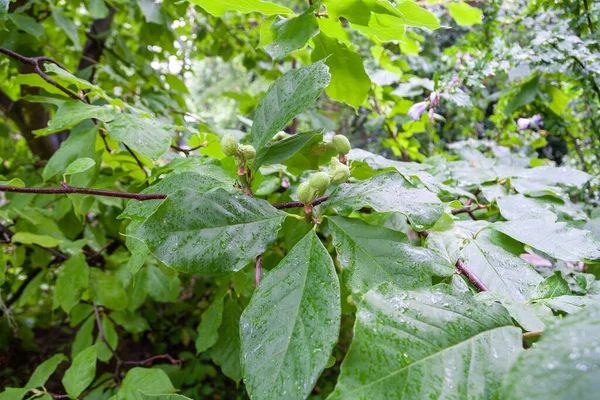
132,322
563,364
226,351
569,304
292,34
210,233
416,16
81,373
291,324
218,8
26,23
72,282
464,14
139,251
32,238
13,182
554,175
79,165
355,11
501,271
67,25
148,381
285,99
44,370
385,28
277,152
349,81
554,238
106,290
163,397
162,287
97,9
66,79
79,144
152,11
72,112
83,338
208,329
370,255
530,316
552,286
427,344
143,135
12,393
389,192
111,335
334,29
518,207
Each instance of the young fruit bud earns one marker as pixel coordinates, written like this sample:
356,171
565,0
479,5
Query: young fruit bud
338,173
341,144
247,152
229,145
319,182
305,193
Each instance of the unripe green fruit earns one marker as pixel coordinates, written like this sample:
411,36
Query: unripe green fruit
247,152
319,182
341,144
229,145
305,193
338,173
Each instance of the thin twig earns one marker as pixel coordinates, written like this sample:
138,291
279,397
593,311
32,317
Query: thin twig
103,337
188,151
137,160
168,357
463,269
296,204
258,270
79,190
36,62
468,209
532,334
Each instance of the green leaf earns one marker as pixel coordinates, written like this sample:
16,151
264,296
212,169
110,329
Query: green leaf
385,28
44,370
219,7
416,16
292,34
529,316
349,81
208,329
389,192
427,345
370,255
277,152
111,335
518,207
501,271
148,381
569,304
3,18
97,9
66,78
26,23
72,112
83,338
210,233
72,282
291,324
12,393
226,351
552,286
464,14
67,25
554,175
163,397
79,144
79,165
143,135
355,11
566,357
106,290
285,99
132,322
162,287
81,373
152,11
554,238
32,238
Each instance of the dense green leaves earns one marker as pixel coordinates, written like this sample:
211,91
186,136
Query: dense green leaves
287,97
72,282
210,233
219,7
291,324
464,14
427,344
566,357
371,255
389,192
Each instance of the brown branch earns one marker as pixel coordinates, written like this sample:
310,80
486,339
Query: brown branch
188,151
296,204
137,160
78,190
532,334
463,269
258,270
468,209
36,63
168,357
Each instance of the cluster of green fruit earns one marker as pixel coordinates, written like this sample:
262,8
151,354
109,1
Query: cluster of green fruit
241,152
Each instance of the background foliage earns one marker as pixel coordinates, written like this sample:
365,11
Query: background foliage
452,252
